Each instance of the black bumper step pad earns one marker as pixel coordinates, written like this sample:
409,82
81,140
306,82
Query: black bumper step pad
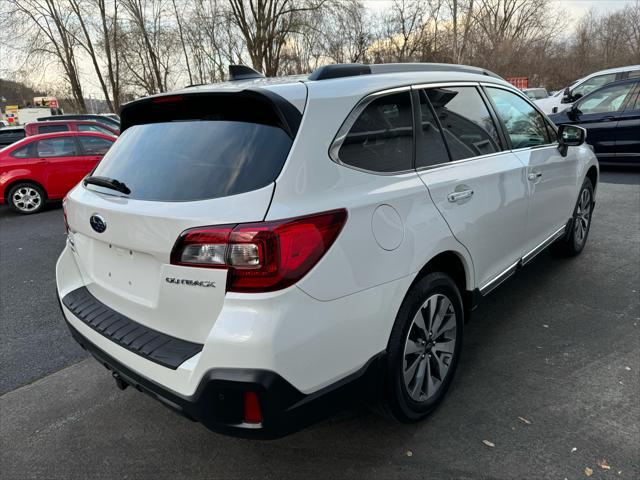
155,346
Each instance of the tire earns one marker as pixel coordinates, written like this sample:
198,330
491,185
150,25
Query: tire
408,400
26,198
576,238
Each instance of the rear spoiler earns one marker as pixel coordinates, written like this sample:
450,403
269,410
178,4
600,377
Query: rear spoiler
250,105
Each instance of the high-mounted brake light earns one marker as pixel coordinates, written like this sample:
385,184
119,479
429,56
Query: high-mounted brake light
168,99
262,256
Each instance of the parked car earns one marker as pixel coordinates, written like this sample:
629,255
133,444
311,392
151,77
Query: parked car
113,116
563,99
257,256
35,128
9,135
102,119
45,167
611,116
535,93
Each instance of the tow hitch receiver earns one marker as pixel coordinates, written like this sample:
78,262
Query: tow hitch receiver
120,383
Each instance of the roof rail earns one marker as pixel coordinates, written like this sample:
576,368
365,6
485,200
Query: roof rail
353,69
242,72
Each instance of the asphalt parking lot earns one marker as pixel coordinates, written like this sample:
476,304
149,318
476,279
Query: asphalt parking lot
549,376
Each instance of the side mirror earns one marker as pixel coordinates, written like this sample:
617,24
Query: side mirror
573,112
566,96
570,136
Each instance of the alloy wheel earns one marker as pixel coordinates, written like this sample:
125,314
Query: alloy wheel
583,216
429,347
27,199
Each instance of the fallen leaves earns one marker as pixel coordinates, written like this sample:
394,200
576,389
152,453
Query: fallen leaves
488,443
602,463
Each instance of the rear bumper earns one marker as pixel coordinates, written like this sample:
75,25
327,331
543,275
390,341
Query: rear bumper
217,401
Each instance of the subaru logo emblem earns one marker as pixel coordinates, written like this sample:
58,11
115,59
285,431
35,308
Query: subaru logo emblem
98,223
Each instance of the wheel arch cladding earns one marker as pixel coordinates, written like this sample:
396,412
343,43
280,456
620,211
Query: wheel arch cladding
452,264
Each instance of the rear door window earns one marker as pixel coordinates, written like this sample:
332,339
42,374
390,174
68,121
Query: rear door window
57,147
381,138
191,160
466,122
95,145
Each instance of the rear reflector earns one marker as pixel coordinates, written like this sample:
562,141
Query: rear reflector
263,256
251,408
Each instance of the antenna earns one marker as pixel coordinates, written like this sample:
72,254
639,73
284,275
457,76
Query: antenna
242,72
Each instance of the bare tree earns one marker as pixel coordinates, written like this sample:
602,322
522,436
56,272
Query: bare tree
265,26
149,44
407,31
55,23
212,40
506,30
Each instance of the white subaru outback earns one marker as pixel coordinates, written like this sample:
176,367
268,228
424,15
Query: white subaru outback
257,253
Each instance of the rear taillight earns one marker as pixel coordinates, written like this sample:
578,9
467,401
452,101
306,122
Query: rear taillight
263,256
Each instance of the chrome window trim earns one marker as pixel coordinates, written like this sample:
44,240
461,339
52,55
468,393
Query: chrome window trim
363,102
422,86
463,160
538,147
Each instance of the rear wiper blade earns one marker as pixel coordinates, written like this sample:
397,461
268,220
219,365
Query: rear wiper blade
107,182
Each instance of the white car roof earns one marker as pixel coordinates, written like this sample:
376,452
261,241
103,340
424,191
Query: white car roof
628,68
293,88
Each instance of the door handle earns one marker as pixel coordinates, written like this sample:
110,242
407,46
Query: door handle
608,118
533,176
457,196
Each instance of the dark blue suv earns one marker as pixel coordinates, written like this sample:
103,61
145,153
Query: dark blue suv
611,116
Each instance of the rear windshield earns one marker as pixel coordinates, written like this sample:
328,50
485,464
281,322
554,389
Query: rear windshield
195,159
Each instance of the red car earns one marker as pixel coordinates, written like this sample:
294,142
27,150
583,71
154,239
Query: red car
54,126
45,167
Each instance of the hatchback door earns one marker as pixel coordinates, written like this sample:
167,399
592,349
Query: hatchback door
482,193
188,161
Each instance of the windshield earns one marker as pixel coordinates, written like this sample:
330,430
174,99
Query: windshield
195,160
